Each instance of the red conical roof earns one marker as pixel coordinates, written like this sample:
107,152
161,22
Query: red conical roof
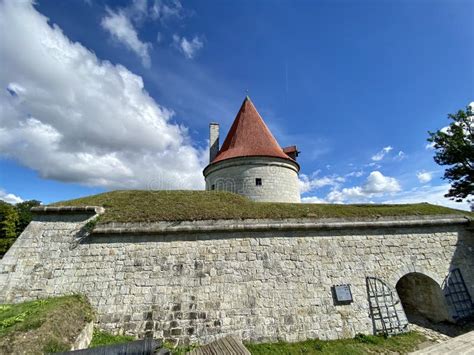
249,136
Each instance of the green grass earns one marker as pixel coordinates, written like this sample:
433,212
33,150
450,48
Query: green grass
180,350
47,325
152,206
100,338
361,344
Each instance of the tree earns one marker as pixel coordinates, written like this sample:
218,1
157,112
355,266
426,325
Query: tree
13,221
24,214
455,148
8,222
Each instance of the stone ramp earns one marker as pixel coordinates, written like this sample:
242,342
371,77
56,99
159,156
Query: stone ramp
460,345
229,345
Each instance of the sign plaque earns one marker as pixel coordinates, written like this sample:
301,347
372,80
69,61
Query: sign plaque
343,293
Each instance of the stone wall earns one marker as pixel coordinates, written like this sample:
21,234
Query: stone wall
258,280
279,178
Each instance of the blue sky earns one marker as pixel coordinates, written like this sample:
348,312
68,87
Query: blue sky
119,94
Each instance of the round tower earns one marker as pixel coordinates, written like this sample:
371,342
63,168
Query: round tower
251,162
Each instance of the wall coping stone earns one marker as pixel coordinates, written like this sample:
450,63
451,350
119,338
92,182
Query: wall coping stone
211,226
67,209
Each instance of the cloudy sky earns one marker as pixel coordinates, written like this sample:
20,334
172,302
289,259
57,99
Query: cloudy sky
101,95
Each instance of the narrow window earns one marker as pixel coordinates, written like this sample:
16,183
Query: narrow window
213,187
258,181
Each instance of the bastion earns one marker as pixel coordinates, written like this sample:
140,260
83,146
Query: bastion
193,266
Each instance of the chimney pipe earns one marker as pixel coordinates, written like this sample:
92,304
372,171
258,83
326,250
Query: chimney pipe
213,140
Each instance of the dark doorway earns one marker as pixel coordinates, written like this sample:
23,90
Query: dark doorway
422,297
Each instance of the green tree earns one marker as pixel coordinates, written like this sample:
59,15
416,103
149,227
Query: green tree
8,222
24,214
455,148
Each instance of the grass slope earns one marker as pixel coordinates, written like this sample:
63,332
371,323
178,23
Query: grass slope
48,325
152,206
361,344
101,338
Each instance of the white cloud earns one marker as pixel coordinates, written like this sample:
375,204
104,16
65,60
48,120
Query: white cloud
376,185
429,146
15,89
123,24
373,165
429,194
138,9
119,25
312,199
159,37
400,156
308,184
446,129
424,176
10,198
379,156
346,195
78,119
188,47
357,173
165,10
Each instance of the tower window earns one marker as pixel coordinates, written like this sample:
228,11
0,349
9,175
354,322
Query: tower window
258,182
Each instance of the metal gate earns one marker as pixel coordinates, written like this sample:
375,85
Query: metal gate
386,310
457,295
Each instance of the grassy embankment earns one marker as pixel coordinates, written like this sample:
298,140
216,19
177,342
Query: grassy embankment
361,344
153,206
48,325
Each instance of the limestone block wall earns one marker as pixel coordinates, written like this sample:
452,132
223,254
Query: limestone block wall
258,280
279,178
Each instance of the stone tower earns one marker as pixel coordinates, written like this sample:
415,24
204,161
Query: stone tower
251,162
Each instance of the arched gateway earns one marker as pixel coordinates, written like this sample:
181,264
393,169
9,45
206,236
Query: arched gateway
421,296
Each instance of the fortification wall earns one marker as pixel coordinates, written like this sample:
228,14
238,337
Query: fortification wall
262,281
279,178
